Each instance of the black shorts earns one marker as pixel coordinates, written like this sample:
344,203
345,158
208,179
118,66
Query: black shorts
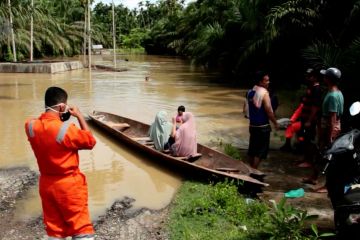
259,141
307,133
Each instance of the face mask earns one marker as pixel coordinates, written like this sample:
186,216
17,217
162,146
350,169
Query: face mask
64,116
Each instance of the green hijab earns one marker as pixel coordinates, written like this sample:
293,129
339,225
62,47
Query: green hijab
160,130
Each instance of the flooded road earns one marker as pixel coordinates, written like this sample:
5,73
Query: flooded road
112,170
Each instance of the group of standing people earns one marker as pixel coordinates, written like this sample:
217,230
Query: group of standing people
177,137
56,142
317,117
329,122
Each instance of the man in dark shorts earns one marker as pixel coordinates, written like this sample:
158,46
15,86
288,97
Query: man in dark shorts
310,118
260,112
331,112
306,116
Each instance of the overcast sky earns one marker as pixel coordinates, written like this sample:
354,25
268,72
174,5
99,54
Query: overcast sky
129,3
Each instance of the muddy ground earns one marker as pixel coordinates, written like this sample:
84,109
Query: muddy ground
122,222
283,174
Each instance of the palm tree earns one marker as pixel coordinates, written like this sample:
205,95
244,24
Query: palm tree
32,32
114,31
338,47
12,31
84,4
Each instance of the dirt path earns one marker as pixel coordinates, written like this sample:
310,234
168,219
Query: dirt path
120,222
13,185
283,175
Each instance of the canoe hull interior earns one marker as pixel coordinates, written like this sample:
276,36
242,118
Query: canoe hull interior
211,162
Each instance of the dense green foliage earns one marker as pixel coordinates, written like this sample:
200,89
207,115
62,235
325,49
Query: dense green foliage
218,211
284,36
58,28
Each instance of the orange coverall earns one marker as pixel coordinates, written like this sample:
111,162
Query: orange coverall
62,187
296,124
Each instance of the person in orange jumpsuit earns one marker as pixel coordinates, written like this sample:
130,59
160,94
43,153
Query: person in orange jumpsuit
63,188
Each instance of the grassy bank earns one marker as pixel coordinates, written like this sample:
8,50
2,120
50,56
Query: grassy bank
218,211
206,211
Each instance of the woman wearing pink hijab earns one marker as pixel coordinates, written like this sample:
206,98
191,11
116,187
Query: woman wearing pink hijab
185,137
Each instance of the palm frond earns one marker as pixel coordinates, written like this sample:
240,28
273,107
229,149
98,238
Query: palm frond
321,54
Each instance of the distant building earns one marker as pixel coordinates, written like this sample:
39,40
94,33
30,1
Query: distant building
97,49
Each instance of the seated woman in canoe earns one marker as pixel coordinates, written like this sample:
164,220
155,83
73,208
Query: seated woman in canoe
160,130
185,144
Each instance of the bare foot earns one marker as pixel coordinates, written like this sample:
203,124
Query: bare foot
305,165
322,189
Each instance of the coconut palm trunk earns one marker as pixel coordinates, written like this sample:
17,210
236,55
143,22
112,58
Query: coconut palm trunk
114,32
85,31
12,32
32,32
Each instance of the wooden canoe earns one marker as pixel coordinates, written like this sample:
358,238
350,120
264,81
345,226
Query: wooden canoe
208,161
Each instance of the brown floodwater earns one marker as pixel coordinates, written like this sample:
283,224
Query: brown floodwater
114,171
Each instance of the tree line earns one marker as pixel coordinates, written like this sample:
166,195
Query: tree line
236,37
284,36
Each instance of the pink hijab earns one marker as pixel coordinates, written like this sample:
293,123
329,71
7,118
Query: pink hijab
185,138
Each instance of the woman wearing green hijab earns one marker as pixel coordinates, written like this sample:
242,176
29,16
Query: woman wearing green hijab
160,130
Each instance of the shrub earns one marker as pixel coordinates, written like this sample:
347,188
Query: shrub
218,211
233,152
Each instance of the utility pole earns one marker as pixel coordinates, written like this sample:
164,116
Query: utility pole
12,32
114,32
